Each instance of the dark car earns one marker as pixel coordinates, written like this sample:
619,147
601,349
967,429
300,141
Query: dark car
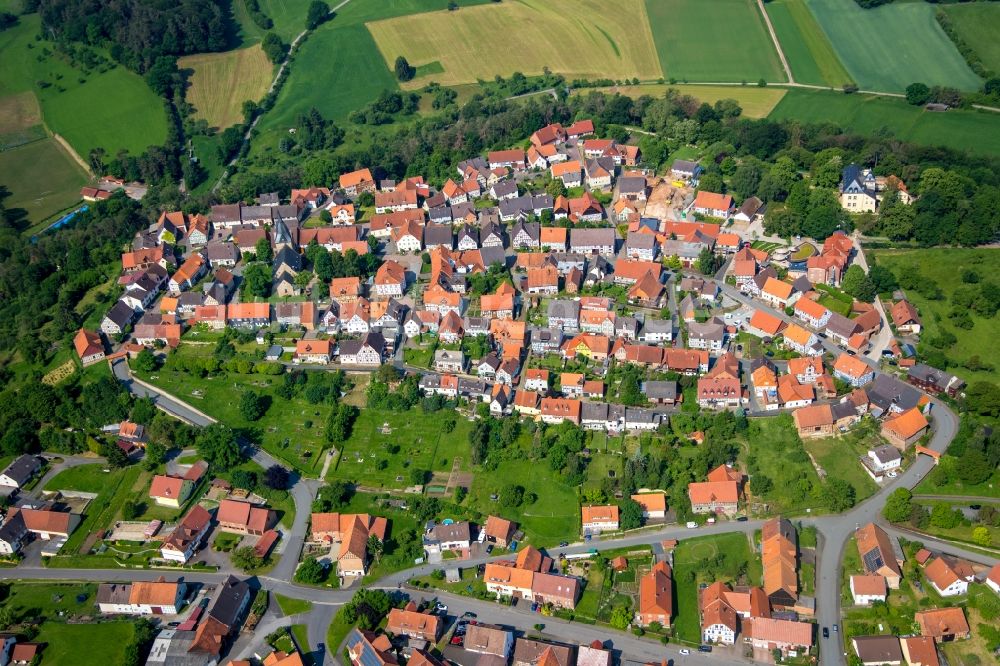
826,632
563,544
469,614
704,648
742,519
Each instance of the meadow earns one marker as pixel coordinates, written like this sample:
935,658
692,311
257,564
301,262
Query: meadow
809,52
288,16
221,82
889,47
838,456
690,571
42,177
577,38
85,644
756,102
942,266
978,24
974,131
697,41
780,456
113,110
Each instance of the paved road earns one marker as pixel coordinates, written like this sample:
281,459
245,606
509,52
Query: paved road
960,499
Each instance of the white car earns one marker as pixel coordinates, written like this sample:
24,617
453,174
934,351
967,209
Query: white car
685,651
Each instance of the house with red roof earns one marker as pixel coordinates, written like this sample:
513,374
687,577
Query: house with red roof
713,204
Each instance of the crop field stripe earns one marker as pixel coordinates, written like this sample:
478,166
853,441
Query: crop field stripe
809,52
694,41
889,47
223,81
560,34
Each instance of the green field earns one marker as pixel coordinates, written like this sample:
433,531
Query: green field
85,478
721,40
422,445
112,110
694,563
838,456
756,102
978,24
289,17
775,446
805,45
42,177
221,82
85,644
889,47
943,266
975,131
578,38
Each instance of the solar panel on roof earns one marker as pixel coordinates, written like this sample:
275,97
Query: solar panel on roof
873,560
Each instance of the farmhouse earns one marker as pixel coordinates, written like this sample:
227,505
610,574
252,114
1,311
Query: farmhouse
903,430
880,555
597,519
713,205
656,596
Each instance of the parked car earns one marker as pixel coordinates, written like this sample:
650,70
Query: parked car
469,614
440,608
457,640
563,544
685,651
826,632
742,519
836,628
704,648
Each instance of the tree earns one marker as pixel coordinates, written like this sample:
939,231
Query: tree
257,279
761,485
146,361
857,284
245,479
511,495
217,444
131,510
335,495
318,13
375,547
246,559
973,468
981,535
918,94
264,251
311,572
621,617
629,514
276,477
404,72
115,456
418,477
898,505
252,405
274,48
943,516
838,495
154,455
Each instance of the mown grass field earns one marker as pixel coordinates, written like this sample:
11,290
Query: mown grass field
889,47
85,478
978,23
809,52
114,109
42,177
19,112
578,38
221,82
975,131
721,40
943,266
85,644
755,102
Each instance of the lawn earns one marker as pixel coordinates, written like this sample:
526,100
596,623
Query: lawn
85,478
978,24
692,46
838,456
221,82
292,429
974,131
809,52
889,47
290,606
779,455
553,518
756,102
942,266
578,38
695,563
991,488
85,644
113,109
20,119
42,177
420,441
50,599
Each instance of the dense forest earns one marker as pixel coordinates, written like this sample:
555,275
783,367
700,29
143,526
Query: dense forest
137,32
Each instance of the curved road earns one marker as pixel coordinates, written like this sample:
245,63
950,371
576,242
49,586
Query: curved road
835,531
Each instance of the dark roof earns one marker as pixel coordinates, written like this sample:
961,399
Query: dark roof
878,649
684,166
632,184
288,257
660,390
504,187
229,599
886,391
438,234
121,314
22,468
